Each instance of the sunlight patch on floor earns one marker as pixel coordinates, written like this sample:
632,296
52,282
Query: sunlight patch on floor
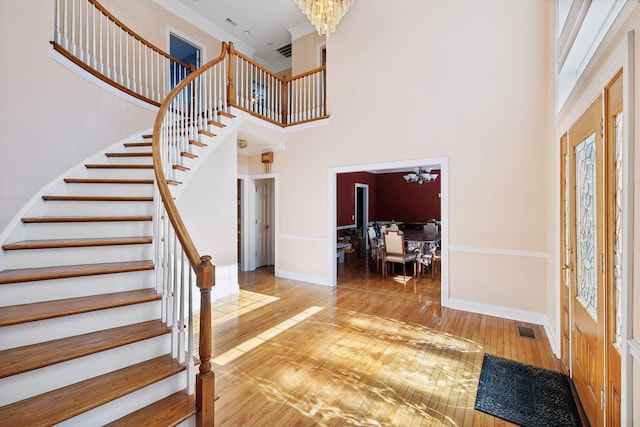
264,336
231,307
367,370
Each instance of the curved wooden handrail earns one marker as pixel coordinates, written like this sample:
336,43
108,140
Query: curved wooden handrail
170,206
305,74
64,52
120,24
234,52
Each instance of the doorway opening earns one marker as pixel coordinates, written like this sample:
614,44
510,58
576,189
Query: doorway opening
361,174
185,51
257,221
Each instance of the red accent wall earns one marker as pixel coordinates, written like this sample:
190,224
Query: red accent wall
346,195
390,197
406,202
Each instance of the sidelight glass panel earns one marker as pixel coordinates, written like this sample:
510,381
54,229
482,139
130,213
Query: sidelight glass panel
567,219
586,237
617,238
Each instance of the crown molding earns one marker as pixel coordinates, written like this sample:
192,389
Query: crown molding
301,30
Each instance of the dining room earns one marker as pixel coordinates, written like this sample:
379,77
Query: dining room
399,202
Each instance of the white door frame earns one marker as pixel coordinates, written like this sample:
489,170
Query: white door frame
443,164
365,204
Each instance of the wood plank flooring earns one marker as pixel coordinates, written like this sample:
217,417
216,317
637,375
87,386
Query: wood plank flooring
369,352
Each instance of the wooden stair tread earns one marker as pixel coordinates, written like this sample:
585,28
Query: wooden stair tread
170,411
23,313
197,143
74,243
225,114
77,243
100,198
188,155
147,136
66,271
130,154
107,181
206,133
180,168
66,402
118,166
139,144
218,124
23,359
55,219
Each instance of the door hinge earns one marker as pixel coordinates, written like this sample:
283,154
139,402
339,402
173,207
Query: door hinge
602,399
602,263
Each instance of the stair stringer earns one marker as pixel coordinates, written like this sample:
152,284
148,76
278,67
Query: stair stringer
230,130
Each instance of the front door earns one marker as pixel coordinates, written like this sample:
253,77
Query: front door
615,149
586,221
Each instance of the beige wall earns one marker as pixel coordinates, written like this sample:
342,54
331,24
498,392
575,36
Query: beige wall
439,80
304,52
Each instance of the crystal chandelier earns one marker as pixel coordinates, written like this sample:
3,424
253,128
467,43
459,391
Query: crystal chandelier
420,176
324,14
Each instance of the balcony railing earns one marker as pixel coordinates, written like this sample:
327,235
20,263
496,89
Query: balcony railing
87,34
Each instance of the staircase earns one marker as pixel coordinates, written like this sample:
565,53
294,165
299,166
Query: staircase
83,341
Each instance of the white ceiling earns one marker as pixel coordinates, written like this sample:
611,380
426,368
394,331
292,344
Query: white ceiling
261,26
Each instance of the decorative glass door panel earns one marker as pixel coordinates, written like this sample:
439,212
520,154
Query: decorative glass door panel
586,249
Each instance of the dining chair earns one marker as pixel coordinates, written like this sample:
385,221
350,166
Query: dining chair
395,251
430,229
376,249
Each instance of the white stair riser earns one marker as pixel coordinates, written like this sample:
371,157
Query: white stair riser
127,404
137,160
139,149
67,208
73,230
66,326
120,173
109,189
28,384
36,258
74,287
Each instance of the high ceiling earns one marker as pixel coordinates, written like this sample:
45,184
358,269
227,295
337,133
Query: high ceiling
256,27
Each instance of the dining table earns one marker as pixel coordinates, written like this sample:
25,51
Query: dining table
418,240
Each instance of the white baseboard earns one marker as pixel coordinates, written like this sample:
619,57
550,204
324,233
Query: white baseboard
508,313
226,282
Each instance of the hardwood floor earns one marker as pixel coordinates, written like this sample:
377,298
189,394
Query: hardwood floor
369,352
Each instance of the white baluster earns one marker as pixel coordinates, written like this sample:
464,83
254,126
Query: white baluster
57,35
190,363
181,337
73,27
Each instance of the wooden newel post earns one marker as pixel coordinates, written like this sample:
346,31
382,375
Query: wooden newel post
205,380
231,91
